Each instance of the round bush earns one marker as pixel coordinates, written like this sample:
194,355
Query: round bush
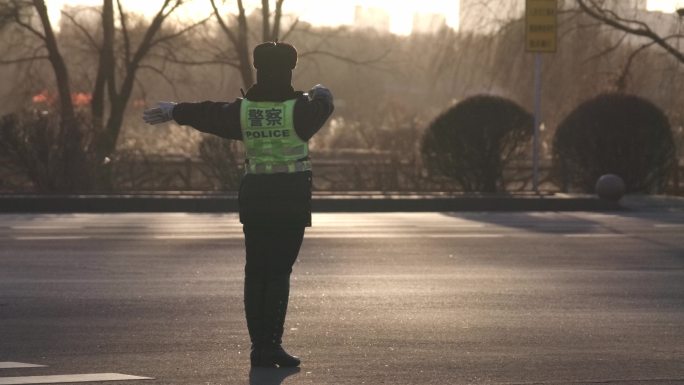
473,141
616,134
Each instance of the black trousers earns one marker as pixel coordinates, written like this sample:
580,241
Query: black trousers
271,253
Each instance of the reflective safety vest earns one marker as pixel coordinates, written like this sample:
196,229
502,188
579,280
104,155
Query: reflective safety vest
271,142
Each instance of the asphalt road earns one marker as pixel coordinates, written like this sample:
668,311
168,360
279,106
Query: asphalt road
394,298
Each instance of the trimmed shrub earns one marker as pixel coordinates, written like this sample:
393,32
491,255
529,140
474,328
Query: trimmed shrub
473,142
31,147
614,133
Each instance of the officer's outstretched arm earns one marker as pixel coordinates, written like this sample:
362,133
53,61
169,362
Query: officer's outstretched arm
162,113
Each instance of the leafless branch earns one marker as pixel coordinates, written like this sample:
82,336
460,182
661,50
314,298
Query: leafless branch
167,12
345,58
201,62
83,30
22,59
160,73
633,27
124,31
180,32
608,50
290,30
28,27
621,82
224,26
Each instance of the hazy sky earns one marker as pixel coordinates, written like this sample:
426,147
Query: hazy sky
665,5
331,12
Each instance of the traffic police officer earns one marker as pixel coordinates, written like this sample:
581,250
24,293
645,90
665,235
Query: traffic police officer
275,123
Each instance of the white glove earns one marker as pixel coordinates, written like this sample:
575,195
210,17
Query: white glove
162,113
319,91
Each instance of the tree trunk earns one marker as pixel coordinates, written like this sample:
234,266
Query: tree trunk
243,49
105,67
71,173
275,35
265,20
118,100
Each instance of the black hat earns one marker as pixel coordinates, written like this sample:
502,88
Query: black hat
275,56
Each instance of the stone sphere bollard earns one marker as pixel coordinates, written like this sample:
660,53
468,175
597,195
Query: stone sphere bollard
610,187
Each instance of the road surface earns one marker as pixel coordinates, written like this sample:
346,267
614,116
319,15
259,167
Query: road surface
391,298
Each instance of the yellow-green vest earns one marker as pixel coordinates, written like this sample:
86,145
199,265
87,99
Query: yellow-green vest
271,142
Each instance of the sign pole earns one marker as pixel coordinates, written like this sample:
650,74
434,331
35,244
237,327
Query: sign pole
537,120
541,28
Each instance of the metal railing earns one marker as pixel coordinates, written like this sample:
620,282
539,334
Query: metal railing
366,174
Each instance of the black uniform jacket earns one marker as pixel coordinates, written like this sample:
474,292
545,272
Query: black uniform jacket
271,199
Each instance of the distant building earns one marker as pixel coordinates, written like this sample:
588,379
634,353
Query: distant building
627,6
373,18
429,23
663,24
477,16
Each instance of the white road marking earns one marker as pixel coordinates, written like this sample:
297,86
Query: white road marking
457,226
466,236
50,238
310,235
599,235
342,235
324,235
199,236
399,235
13,365
191,231
46,227
669,225
58,379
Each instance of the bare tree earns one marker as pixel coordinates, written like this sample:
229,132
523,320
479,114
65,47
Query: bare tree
69,136
238,34
240,39
118,93
115,78
597,10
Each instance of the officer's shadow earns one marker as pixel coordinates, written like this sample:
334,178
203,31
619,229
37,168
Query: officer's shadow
270,376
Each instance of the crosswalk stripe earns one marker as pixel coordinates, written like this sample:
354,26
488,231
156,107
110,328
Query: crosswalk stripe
466,236
50,238
14,365
200,236
456,226
57,379
600,235
46,227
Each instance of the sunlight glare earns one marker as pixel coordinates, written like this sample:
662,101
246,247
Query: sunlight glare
316,12
323,12
401,13
664,5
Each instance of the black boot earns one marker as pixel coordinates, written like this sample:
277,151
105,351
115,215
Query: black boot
269,351
270,356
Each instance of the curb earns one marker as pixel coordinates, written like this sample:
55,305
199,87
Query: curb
320,203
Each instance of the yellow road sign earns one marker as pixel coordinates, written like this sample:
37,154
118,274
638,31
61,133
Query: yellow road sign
541,25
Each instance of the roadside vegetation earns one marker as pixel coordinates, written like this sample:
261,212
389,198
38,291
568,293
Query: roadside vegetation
72,96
